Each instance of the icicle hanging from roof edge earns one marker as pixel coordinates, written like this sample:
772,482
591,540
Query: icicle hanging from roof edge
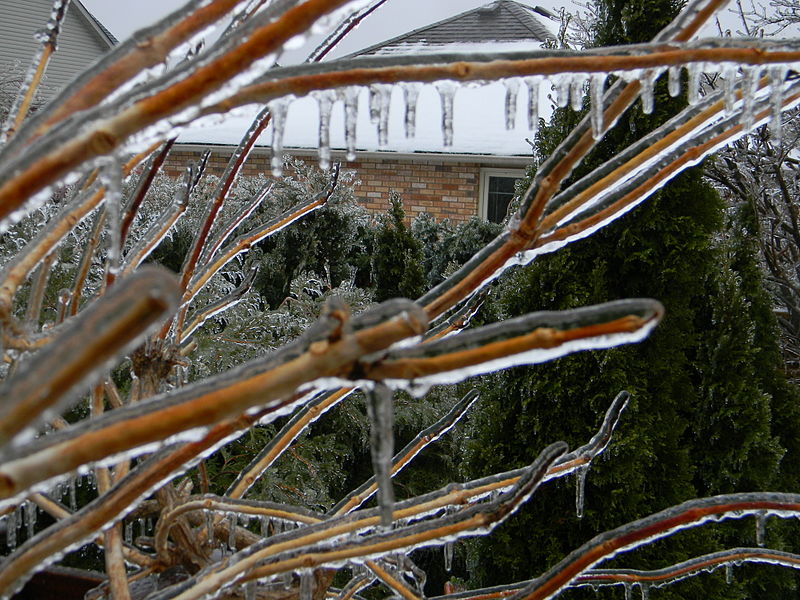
533,84
349,97
447,92
512,93
411,96
380,99
325,100
279,109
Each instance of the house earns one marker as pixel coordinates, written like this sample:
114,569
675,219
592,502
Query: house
81,42
471,174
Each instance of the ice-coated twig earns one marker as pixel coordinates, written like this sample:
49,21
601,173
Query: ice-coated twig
116,322
325,351
358,582
39,285
344,28
307,415
649,529
393,583
460,319
48,37
424,438
226,302
90,245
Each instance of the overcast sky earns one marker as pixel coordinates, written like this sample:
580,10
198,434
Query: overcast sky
395,17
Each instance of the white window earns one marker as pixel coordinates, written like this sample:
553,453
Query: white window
497,190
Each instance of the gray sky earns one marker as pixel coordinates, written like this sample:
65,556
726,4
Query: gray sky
395,17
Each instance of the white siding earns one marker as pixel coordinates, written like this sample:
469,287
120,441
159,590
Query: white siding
79,44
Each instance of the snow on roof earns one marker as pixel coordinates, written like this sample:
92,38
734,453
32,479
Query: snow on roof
479,124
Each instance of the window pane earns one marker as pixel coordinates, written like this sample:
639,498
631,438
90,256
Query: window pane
499,195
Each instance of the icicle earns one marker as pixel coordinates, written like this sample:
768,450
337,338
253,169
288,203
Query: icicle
447,92
278,109
141,524
325,100
512,92
349,96
307,585
674,85
232,532
30,518
580,490
128,534
448,556
628,591
73,501
264,526
380,410
111,177
761,528
596,91
533,103
695,71
777,75
250,590
380,99
563,83
576,92
11,530
411,97
729,573
752,75
647,95
209,524
645,589
728,73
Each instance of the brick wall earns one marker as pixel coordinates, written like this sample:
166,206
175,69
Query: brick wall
443,189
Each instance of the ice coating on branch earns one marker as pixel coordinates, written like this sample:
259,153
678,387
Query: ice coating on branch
533,84
279,109
596,91
111,178
674,81
349,96
380,410
380,99
580,490
411,97
447,92
325,100
512,92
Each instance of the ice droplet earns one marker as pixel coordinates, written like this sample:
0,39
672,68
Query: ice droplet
729,573
533,103
306,585
448,556
777,75
596,91
349,96
761,528
647,95
447,92
279,109
580,490
512,92
411,97
380,410
576,91
380,99
674,81
325,100
695,71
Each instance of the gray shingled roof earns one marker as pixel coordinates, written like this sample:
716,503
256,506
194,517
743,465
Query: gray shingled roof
104,32
500,21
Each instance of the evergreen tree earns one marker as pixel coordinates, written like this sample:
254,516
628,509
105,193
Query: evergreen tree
702,384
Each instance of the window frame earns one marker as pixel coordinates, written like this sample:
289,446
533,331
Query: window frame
483,190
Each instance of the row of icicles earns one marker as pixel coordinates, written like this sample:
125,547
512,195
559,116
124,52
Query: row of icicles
568,89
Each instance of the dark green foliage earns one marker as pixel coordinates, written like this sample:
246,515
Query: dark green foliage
397,261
